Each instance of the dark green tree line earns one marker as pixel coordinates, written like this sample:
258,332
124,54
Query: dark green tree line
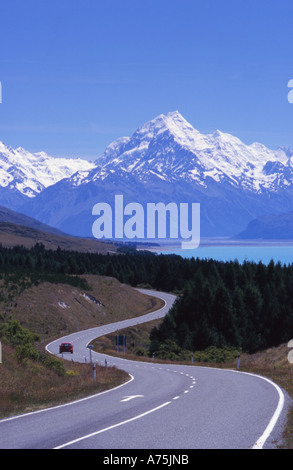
245,306
248,306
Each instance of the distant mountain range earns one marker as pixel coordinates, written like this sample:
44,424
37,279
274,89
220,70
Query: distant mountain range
269,227
165,160
23,175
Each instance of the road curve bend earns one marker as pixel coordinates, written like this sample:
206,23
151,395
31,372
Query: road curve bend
160,407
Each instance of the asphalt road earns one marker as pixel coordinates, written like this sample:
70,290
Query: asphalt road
160,407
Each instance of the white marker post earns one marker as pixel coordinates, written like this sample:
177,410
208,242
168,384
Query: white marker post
238,360
90,347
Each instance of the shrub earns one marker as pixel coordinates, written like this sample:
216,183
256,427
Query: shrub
140,352
169,350
52,363
214,354
23,339
16,334
26,351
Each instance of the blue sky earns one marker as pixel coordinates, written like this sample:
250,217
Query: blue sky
78,74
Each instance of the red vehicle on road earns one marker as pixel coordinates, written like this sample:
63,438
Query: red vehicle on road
65,347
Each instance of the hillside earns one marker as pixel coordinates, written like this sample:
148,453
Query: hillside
54,310
32,379
13,235
13,217
19,229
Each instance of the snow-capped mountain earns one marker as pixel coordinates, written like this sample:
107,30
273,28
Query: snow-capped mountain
170,149
165,160
29,173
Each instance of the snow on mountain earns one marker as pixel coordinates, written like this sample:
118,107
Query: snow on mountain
166,148
29,173
170,149
166,159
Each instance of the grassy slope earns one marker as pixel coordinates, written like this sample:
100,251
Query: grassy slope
13,234
54,310
29,385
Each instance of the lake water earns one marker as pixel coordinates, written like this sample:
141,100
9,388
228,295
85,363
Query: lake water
255,253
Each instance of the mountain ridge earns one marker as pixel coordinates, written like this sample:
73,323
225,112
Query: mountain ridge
269,227
208,155
168,160
29,173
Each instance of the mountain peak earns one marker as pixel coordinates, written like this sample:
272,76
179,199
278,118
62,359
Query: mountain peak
166,148
172,123
176,116
218,133
165,160
29,173
171,119
169,148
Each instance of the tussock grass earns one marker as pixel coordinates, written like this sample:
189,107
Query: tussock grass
56,309
28,386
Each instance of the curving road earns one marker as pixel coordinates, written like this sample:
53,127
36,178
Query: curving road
160,407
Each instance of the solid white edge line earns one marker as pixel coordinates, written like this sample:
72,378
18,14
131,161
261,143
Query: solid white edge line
67,404
91,396
258,444
111,427
262,439
273,421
